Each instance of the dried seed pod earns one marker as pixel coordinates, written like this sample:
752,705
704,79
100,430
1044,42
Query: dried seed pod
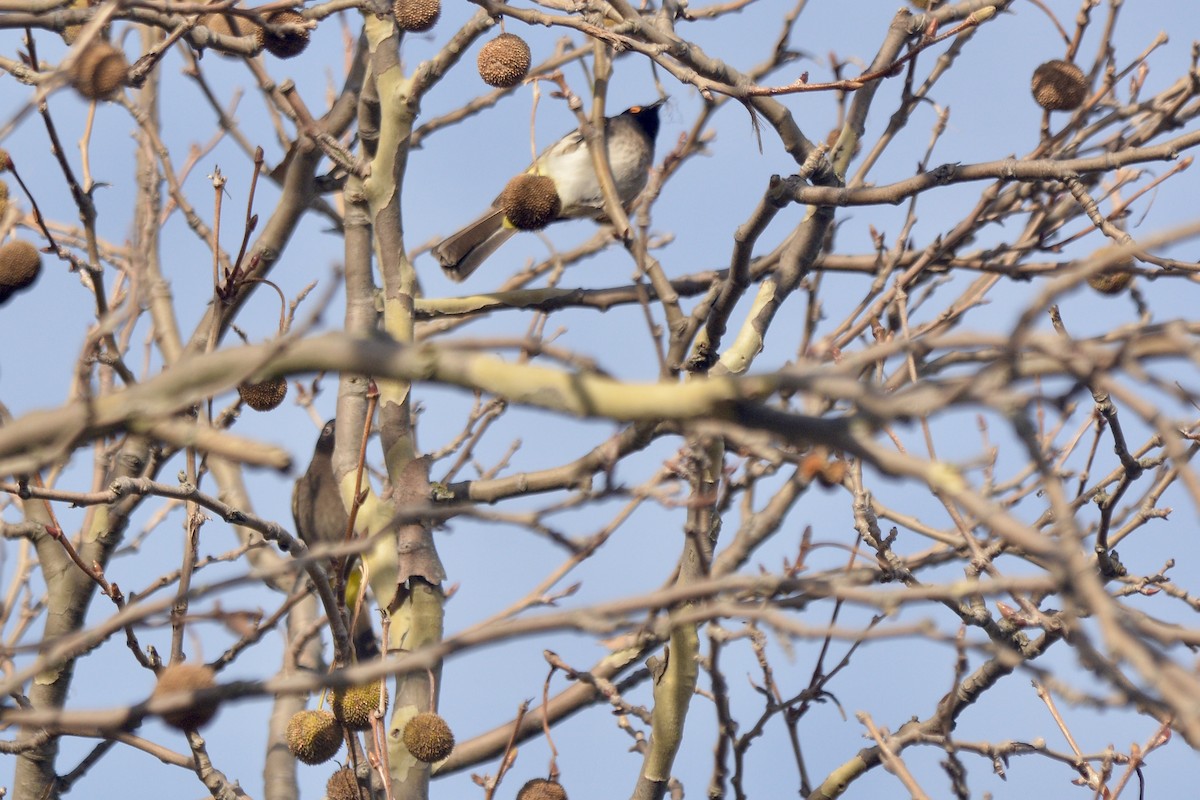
416,16
71,32
186,678
833,473
1110,282
504,61
99,71
812,464
281,43
20,264
428,737
265,395
530,202
834,136
342,785
1059,86
314,737
354,706
232,25
542,789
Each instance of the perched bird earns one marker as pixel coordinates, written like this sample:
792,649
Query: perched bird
321,519
629,139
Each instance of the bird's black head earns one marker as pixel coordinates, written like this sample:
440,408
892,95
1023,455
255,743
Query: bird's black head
325,440
647,117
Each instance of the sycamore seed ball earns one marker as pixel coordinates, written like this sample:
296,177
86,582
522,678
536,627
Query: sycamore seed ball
1059,86
342,785
232,25
1110,282
99,71
20,264
813,464
71,32
833,474
281,43
3,198
314,737
530,202
354,706
1115,278
416,16
542,789
504,61
428,737
186,678
220,24
264,396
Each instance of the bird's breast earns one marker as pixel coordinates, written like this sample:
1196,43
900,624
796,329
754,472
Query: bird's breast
575,177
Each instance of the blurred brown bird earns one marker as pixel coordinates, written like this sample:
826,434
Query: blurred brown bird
321,519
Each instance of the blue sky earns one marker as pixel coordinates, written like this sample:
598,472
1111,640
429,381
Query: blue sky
452,177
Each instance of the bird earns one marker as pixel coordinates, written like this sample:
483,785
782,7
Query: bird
321,519
629,139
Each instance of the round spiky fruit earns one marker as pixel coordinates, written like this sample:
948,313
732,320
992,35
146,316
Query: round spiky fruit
99,71
530,202
314,737
428,737
1110,282
186,678
342,785
542,789
71,32
5,161
1059,86
813,463
280,43
416,16
264,396
3,198
20,264
354,706
232,25
833,473
504,61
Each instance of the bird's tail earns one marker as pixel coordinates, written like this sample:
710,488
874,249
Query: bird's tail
461,253
362,634
366,646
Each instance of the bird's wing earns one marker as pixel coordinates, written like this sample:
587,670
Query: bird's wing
296,505
571,143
